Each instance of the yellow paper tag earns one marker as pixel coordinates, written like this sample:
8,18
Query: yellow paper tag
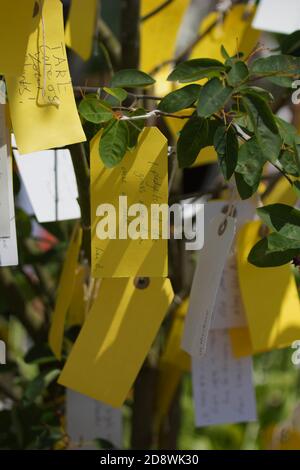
159,33
142,176
76,312
17,21
116,338
282,193
64,293
235,34
270,299
42,104
81,25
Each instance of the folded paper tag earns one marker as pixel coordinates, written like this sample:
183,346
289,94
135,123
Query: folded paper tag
222,385
116,338
17,21
139,182
81,27
218,237
65,293
42,104
89,419
50,183
277,16
270,298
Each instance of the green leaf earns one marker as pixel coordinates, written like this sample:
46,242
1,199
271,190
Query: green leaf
296,188
119,93
37,386
265,128
274,250
291,44
284,82
212,97
226,145
224,53
113,143
280,65
288,162
192,139
194,69
131,78
286,130
135,127
249,168
256,90
179,99
95,110
238,74
283,219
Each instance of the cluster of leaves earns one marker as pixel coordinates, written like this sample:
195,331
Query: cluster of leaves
227,110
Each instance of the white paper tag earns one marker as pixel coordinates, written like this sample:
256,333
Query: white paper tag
50,182
8,246
229,309
89,419
222,385
206,282
4,195
277,16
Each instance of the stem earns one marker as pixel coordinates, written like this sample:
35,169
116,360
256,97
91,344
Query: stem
156,10
83,182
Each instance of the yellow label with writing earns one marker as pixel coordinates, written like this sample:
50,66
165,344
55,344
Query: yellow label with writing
116,198
116,338
65,293
42,104
81,26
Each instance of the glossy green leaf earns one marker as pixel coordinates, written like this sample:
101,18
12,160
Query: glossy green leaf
287,160
131,78
238,74
249,168
226,146
95,110
193,137
283,65
282,218
194,69
274,250
212,97
113,143
119,93
180,99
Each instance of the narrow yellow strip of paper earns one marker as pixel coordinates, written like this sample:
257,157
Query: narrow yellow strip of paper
76,311
116,338
80,27
64,293
42,104
235,34
269,295
142,176
17,20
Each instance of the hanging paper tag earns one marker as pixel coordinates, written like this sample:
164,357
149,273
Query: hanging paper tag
89,419
222,385
218,237
42,104
50,183
8,246
16,24
64,293
270,297
122,199
81,27
4,194
277,16
116,338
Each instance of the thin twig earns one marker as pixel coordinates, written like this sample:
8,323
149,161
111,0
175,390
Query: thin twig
156,10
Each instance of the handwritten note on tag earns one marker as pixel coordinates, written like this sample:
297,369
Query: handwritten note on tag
42,104
81,27
65,293
141,176
277,16
270,297
16,23
116,338
89,419
50,183
222,385
207,277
